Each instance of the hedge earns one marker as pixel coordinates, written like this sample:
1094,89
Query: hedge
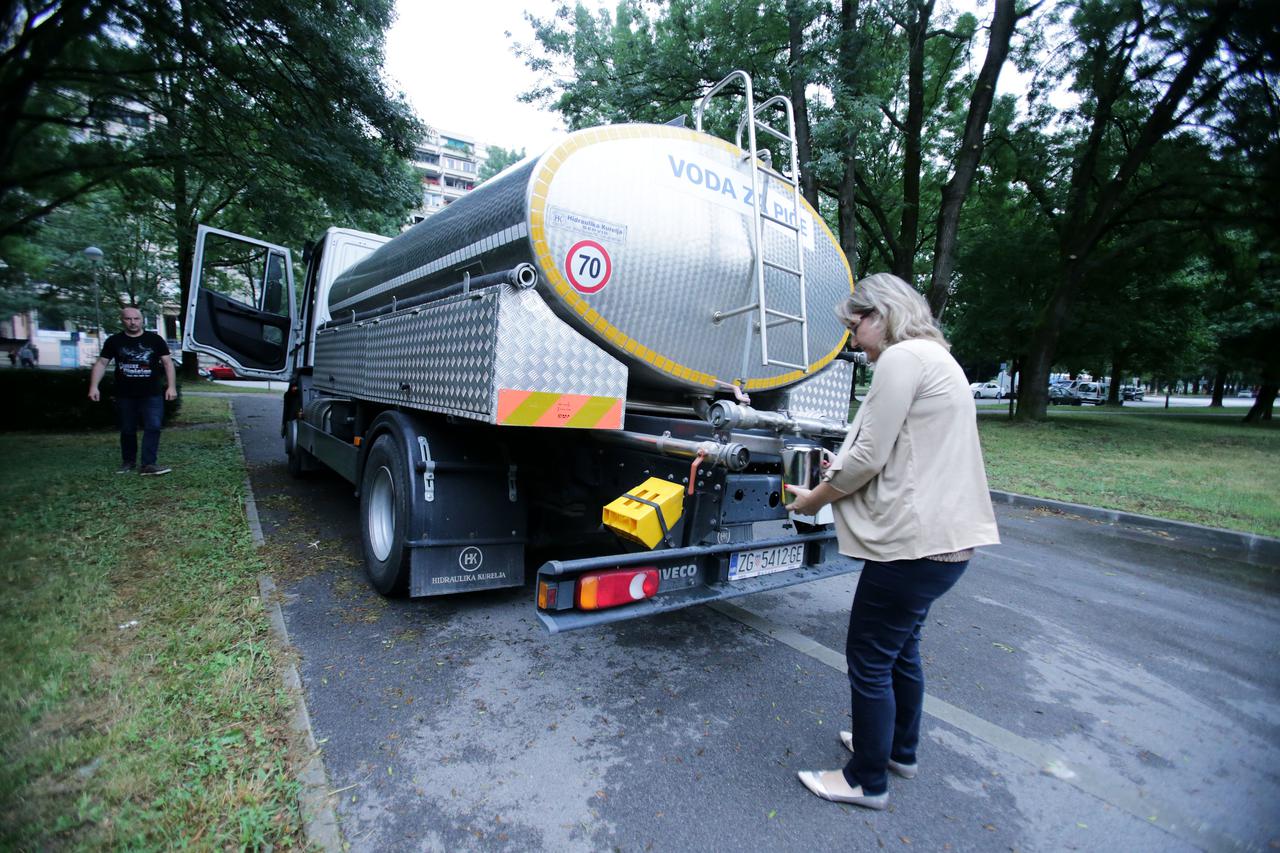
58,401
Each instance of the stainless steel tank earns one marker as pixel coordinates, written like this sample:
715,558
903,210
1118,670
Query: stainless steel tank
643,239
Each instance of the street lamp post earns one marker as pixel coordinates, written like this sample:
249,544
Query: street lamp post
94,254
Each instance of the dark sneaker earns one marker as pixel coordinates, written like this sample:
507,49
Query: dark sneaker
125,469
154,470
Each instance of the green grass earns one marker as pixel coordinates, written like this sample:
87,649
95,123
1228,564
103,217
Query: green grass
198,411
205,385
141,704
198,386
1202,468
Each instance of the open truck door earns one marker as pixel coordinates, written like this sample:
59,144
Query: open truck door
242,304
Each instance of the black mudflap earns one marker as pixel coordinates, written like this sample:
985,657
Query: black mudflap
470,519
441,569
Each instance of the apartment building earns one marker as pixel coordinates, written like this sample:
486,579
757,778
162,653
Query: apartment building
449,166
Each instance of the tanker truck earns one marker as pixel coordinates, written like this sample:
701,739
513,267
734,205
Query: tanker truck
599,366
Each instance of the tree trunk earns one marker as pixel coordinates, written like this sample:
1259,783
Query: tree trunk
1015,373
185,239
850,50
1113,393
1219,385
969,155
184,206
1033,392
799,82
1263,403
909,227
1044,344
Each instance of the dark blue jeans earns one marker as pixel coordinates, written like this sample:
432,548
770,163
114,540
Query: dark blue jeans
883,652
133,412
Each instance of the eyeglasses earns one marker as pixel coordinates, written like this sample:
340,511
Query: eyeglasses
853,330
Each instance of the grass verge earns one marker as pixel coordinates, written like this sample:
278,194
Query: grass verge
141,703
1204,469
213,385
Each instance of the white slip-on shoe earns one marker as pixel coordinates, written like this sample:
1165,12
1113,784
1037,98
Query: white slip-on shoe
906,771
831,785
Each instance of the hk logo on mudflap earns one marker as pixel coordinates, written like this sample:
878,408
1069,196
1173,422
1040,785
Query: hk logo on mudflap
470,558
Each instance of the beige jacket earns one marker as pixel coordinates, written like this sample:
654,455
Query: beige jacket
911,466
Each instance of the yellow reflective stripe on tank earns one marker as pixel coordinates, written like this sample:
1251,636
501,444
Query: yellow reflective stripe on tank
794,376
541,185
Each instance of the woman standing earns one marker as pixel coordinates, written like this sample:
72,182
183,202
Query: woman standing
910,498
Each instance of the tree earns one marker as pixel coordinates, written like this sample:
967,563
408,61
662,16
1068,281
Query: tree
1142,70
872,147
498,159
630,67
259,114
137,268
61,83
969,153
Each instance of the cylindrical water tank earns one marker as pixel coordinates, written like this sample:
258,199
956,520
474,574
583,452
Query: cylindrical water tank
643,239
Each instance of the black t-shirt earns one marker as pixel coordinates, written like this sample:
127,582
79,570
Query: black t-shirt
139,372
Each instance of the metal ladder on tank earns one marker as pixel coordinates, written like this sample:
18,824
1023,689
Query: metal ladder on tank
767,317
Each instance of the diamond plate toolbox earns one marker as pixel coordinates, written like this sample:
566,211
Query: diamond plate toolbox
498,355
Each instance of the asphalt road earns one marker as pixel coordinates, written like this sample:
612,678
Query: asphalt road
1092,687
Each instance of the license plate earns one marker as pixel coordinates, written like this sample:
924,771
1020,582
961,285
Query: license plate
748,564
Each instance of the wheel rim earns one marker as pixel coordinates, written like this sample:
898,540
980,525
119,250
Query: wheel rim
382,513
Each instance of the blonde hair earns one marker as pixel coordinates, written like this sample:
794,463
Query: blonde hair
903,311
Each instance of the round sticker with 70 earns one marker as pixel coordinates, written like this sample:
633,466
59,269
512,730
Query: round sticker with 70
588,266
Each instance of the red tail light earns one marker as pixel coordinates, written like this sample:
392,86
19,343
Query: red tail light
598,590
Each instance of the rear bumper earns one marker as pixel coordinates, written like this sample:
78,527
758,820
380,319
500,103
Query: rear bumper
711,562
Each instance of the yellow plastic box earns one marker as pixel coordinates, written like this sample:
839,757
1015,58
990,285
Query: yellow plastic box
638,521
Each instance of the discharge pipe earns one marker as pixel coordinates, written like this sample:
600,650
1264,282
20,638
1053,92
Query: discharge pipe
729,455
725,415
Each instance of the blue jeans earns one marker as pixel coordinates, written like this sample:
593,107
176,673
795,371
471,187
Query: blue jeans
132,412
883,652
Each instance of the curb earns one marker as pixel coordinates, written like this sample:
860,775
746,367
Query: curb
1246,547
319,821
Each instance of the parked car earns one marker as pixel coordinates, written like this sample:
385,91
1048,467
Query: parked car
1064,394
1131,392
987,390
1092,392
221,371
1245,392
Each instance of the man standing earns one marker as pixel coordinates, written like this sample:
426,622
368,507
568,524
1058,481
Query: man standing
139,395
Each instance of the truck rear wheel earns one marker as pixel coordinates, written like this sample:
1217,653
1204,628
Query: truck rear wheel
385,492
298,461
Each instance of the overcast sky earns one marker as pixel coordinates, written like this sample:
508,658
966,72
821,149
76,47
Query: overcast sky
454,63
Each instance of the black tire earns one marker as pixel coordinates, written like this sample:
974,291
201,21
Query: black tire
385,492
977,395
298,459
